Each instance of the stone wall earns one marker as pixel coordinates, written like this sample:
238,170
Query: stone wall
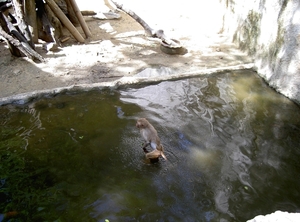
269,30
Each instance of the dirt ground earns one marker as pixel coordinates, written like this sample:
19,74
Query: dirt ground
120,49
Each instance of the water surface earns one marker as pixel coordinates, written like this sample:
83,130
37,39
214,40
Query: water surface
232,145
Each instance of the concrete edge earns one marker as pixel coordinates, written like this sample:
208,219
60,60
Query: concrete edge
24,98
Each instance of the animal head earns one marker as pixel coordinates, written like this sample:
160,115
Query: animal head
142,123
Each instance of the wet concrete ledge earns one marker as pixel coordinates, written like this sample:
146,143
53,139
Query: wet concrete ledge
24,98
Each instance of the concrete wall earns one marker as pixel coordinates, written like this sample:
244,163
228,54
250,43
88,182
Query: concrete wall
269,30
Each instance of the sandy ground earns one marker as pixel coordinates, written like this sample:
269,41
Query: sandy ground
119,49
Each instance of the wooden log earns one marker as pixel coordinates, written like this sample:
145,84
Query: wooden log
30,15
49,25
3,32
57,11
81,20
71,13
48,28
54,21
22,22
17,47
19,41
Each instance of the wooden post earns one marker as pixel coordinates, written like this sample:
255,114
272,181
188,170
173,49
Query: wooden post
30,15
58,12
81,19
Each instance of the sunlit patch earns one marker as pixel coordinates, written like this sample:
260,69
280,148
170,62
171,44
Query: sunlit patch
204,158
107,27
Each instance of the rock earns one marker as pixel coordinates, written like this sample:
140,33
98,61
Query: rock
277,216
50,47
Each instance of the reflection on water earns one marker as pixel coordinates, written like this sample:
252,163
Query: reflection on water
232,146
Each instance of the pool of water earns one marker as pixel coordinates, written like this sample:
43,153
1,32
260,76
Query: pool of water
232,144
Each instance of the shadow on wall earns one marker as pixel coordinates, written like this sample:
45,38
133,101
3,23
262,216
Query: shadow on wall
247,33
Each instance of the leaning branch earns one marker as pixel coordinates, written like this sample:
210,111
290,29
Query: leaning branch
153,33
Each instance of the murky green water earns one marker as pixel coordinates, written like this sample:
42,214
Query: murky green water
232,144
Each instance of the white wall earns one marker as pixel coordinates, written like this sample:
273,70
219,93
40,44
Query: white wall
269,30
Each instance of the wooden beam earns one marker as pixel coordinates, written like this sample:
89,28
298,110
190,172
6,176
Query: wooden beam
63,18
81,19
